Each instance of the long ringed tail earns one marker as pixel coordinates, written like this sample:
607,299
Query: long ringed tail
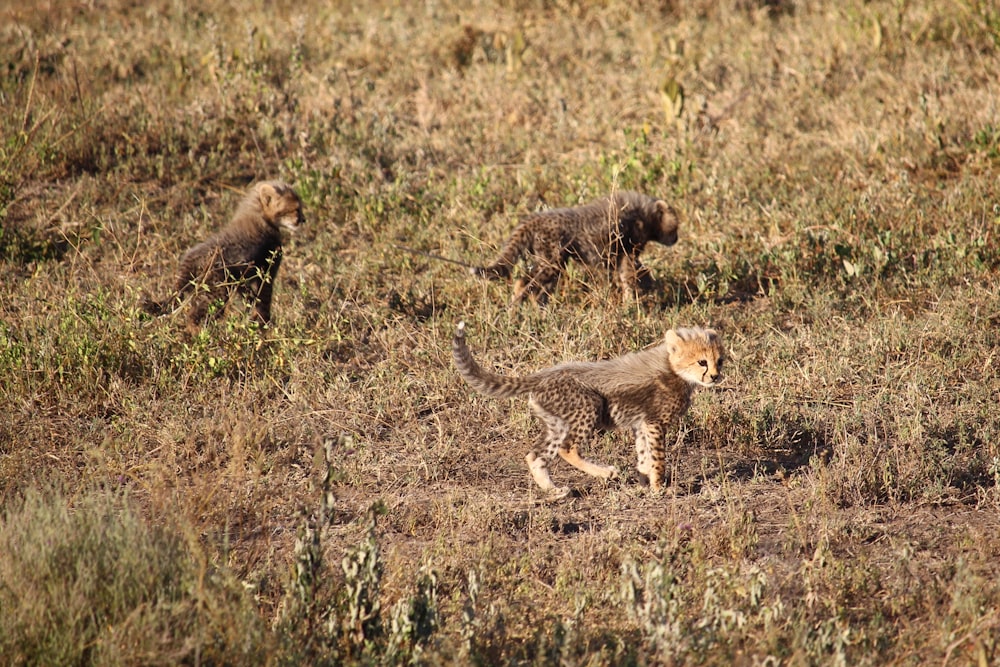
483,381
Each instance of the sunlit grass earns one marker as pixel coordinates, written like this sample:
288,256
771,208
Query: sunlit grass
326,490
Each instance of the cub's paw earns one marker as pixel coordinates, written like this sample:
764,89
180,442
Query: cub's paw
558,493
663,491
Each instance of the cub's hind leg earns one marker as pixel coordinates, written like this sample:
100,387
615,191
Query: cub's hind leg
203,276
574,422
583,424
550,442
539,283
572,456
547,263
202,303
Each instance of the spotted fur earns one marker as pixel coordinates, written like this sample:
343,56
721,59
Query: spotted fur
611,233
646,392
242,257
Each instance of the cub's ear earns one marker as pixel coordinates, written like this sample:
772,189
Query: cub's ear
266,192
672,340
667,211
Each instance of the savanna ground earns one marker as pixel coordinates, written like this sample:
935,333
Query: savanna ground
329,491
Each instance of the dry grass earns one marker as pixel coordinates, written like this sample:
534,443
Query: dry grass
162,494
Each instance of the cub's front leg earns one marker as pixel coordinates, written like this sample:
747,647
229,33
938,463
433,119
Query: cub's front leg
651,447
629,270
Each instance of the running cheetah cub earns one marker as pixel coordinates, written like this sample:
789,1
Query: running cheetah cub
646,391
611,232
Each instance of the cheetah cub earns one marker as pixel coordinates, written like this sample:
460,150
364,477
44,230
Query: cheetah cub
647,392
611,233
241,257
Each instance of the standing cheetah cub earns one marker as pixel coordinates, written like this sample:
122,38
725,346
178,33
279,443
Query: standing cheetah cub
646,391
611,232
241,257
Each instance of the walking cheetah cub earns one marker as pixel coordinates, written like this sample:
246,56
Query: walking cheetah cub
241,257
646,391
611,232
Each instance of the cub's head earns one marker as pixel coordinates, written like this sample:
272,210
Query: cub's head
696,355
280,204
665,230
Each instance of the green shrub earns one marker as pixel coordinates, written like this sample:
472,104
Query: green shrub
87,581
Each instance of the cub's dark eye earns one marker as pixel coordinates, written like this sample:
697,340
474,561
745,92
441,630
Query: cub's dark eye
718,364
703,363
